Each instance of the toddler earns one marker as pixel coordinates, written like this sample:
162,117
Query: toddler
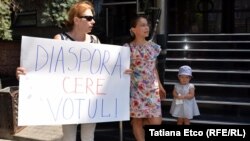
184,105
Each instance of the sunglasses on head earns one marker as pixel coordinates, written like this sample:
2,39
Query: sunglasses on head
88,18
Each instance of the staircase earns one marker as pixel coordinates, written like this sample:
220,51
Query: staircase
221,75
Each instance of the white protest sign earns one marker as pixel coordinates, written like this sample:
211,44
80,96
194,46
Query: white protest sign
72,82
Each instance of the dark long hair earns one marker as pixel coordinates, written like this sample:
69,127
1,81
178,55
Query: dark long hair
133,24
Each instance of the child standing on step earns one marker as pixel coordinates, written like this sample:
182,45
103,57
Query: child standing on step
184,105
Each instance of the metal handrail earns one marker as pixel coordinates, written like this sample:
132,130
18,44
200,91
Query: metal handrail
214,42
208,60
208,50
208,122
214,102
214,85
228,34
213,71
207,41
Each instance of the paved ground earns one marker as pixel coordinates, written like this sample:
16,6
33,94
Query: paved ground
46,133
104,132
38,133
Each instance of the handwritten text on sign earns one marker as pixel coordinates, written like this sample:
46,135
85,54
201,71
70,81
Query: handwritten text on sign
72,82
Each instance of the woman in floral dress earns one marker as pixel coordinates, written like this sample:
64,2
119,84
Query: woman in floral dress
145,102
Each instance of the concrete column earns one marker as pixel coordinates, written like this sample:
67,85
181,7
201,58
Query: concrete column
161,38
162,23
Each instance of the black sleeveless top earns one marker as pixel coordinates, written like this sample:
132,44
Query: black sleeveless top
65,36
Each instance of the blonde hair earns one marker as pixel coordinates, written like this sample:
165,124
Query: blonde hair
76,10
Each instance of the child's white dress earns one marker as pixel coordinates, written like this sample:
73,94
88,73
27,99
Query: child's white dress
188,108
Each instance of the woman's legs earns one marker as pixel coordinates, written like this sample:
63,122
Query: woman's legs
153,121
69,132
88,131
137,124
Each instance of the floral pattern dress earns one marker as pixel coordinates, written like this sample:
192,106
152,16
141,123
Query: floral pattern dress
144,88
